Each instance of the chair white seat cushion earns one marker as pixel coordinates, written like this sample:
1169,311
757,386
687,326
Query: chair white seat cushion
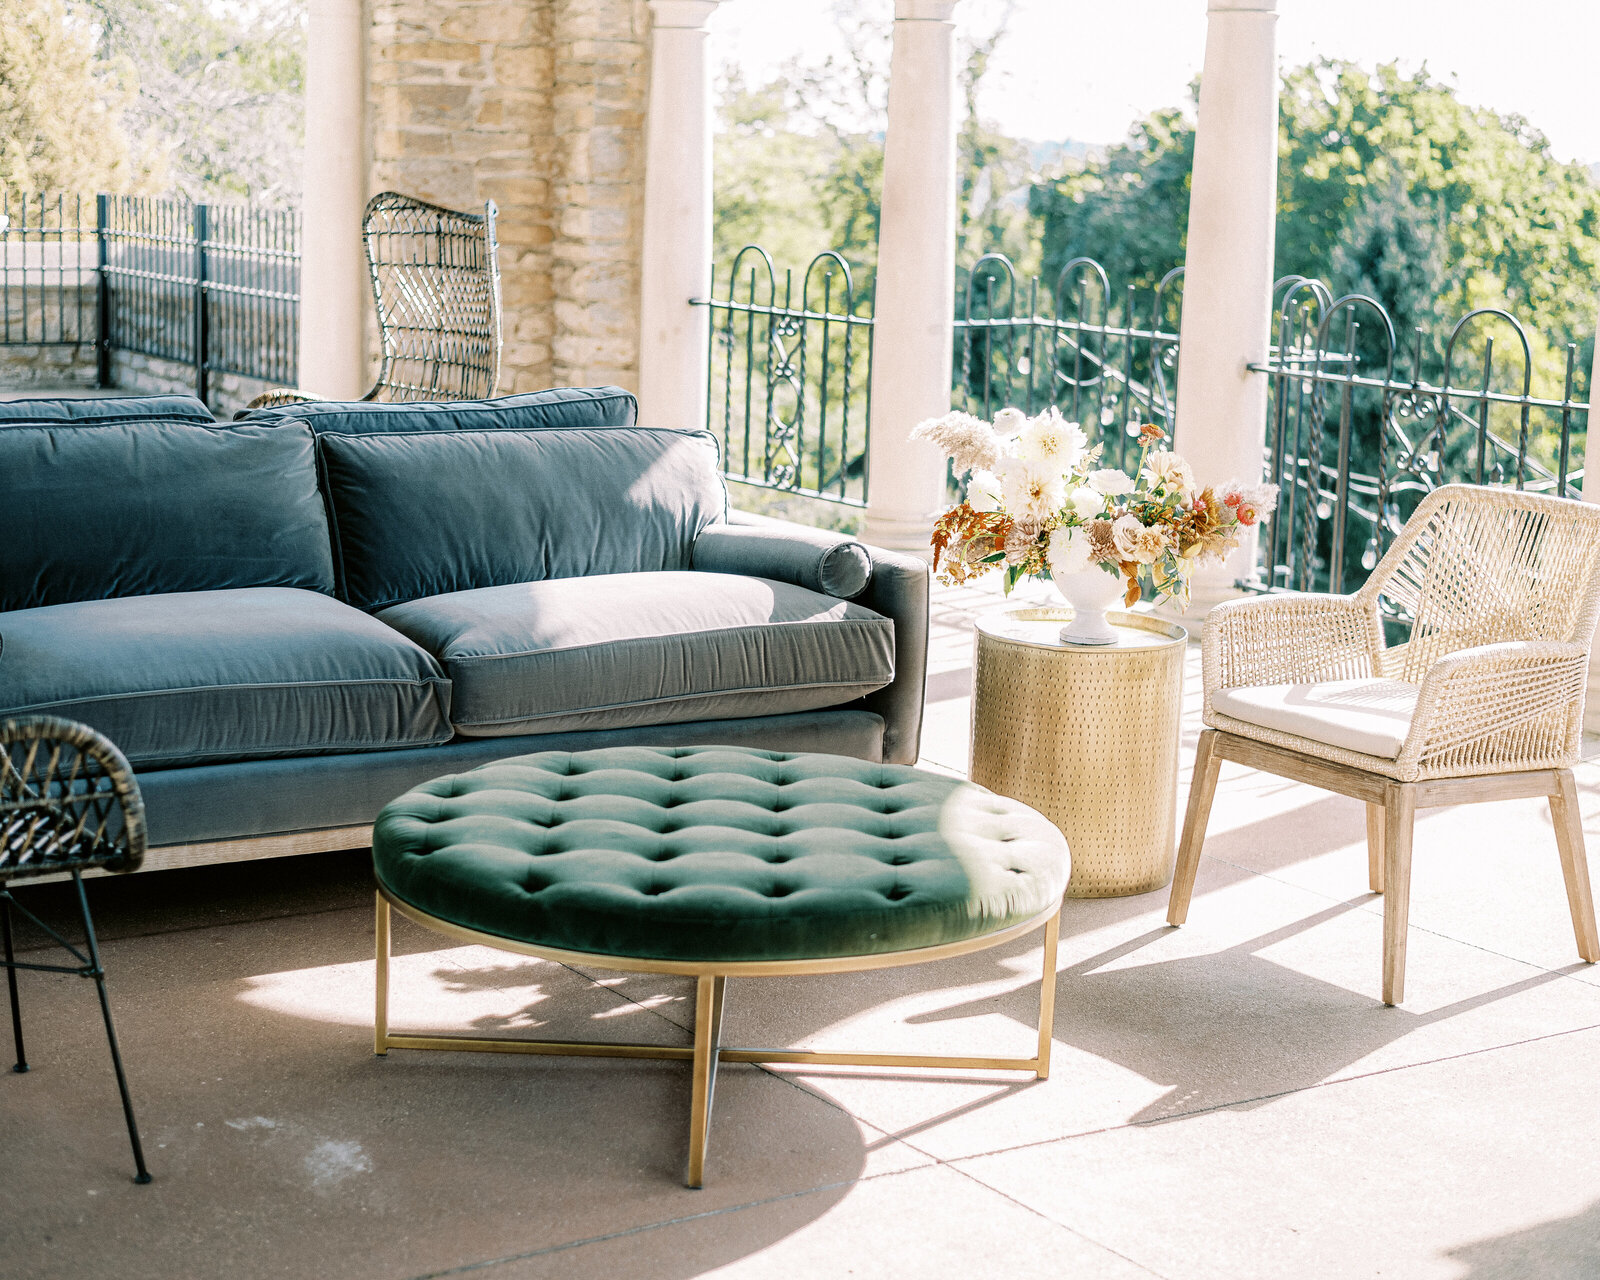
1369,716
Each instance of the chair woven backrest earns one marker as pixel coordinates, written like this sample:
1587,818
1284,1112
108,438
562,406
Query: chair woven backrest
1476,566
68,801
436,281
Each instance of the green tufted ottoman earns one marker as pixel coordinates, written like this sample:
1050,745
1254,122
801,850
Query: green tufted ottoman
717,862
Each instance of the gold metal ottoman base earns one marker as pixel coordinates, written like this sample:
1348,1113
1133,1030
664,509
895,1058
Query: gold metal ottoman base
708,1052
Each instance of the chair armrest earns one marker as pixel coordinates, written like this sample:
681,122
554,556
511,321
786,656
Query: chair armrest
818,559
1289,639
1500,708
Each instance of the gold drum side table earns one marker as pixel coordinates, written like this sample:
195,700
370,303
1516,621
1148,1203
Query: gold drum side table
1086,735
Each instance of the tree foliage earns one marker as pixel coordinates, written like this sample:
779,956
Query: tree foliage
63,109
221,89
799,158
1388,183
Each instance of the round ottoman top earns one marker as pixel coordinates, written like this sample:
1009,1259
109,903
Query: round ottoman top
697,855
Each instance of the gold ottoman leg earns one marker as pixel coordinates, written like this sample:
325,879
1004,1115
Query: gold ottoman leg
1047,996
708,998
380,1012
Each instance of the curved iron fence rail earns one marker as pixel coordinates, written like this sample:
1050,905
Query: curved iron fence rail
1353,442
1108,367
791,384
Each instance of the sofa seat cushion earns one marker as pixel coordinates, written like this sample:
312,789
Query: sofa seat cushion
645,648
206,676
1370,716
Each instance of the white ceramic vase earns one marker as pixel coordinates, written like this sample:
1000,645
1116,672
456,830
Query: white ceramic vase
1090,592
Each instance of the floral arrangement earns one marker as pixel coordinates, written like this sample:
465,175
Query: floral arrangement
1039,503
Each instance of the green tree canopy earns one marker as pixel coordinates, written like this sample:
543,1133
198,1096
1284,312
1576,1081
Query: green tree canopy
221,88
62,108
799,159
1387,183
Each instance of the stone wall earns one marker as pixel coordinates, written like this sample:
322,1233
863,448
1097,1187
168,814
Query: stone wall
540,107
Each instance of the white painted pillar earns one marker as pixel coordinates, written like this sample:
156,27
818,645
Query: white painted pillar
1227,288
1591,493
916,277
677,217
335,296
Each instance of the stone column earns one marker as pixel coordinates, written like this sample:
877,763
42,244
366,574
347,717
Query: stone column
335,296
916,277
1227,289
677,217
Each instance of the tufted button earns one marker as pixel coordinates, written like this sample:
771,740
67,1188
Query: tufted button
896,893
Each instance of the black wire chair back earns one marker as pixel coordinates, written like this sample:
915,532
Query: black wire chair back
436,282
68,801
68,804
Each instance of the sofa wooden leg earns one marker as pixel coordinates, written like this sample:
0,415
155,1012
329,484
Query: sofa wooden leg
1568,821
1399,817
1375,847
1202,787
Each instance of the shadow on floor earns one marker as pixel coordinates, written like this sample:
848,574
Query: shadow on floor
1562,1249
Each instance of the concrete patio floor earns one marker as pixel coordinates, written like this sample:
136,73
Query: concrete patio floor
1228,1100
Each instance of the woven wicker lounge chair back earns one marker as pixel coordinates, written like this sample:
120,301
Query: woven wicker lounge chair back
1477,566
436,282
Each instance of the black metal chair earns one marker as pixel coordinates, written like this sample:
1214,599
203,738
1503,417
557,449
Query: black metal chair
436,283
68,804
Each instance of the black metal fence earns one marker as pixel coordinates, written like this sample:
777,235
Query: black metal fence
789,386
213,287
1361,425
47,271
1107,360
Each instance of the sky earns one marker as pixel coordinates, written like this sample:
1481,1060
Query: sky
1086,69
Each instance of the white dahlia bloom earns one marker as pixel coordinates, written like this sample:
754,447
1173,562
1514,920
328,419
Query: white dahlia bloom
1032,493
1068,552
1052,441
1111,482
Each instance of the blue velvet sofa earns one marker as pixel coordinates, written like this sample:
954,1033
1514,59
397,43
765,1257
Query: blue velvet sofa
287,620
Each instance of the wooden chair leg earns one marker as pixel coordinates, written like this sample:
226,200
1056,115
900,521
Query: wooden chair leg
1568,822
1202,787
1399,817
1375,847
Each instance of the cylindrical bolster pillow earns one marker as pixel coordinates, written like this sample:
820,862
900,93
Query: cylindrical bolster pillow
813,558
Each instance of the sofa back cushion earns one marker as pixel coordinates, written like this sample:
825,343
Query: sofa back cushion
103,411
145,508
558,407
424,513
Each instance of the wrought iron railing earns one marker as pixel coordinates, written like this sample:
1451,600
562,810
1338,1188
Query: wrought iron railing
214,287
47,271
790,386
1359,430
1107,361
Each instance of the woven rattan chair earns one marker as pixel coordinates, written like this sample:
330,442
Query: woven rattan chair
68,804
436,282
1483,702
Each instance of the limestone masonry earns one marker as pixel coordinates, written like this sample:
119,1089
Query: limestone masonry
540,107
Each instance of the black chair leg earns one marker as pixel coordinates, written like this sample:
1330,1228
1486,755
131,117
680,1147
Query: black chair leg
21,1063
98,974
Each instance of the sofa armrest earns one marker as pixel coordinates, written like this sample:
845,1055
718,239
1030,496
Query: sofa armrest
817,559
899,591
